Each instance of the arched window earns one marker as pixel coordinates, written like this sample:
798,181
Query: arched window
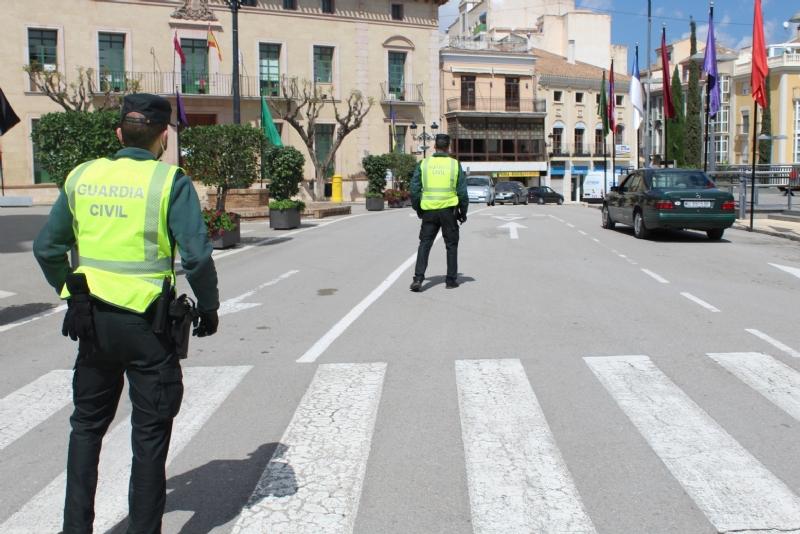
558,137
598,139
619,138
580,139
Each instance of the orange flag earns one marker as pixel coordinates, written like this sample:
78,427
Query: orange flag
759,70
212,42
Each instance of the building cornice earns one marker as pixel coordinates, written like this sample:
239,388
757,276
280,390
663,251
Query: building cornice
579,83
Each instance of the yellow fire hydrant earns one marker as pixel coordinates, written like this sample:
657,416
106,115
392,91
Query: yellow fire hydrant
336,188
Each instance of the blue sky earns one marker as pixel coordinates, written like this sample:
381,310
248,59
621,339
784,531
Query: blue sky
733,20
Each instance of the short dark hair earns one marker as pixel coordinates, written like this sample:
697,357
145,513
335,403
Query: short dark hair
140,135
441,143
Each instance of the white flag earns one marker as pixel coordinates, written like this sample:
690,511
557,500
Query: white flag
635,93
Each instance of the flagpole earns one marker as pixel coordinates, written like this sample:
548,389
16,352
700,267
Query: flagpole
708,102
753,174
638,129
612,107
665,73
178,109
647,127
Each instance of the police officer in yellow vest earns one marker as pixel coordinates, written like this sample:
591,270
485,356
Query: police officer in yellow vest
439,196
126,215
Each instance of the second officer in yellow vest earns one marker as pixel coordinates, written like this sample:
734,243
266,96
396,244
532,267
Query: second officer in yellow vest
439,196
126,215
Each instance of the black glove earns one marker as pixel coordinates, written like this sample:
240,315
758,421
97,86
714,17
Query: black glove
419,214
462,218
209,321
78,322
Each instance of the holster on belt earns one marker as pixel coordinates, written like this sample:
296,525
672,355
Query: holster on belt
183,315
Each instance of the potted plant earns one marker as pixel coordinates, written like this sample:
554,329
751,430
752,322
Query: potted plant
402,167
375,168
396,197
284,166
222,227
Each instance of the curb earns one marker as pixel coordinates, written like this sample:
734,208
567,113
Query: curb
766,232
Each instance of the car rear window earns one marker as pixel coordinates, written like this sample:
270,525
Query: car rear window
478,181
506,186
680,180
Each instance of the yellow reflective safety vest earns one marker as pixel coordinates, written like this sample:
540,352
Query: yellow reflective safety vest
119,213
439,178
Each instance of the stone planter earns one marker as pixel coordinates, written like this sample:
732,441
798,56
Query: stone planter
396,203
374,204
284,219
227,240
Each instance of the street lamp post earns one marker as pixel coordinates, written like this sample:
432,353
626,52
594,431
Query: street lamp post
235,5
424,137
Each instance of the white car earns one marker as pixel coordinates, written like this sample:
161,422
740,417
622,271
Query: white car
480,189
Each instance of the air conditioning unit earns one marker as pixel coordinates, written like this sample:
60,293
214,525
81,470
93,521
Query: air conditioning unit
392,96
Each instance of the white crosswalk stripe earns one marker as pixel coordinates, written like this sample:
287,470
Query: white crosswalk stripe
205,390
518,481
732,488
778,382
29,406
313,481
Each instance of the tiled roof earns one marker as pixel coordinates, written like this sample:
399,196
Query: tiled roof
548,64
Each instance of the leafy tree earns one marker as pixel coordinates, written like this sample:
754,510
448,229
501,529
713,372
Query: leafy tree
224,156
82,94
694,110
402,167
676,127
67,139
284,165
765,147
308,101
375,168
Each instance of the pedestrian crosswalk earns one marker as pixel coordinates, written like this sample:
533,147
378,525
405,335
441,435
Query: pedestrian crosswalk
516,476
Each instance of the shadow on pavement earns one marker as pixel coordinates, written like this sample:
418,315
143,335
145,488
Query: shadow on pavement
16,231
440,280
9,314
674,236
217,491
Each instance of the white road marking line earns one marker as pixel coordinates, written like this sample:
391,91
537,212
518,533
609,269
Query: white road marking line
6,294
654,275
774,342
570,225
32,404
554,217
235,304
35,317
733,489
775,380
518,481
702,303
246,231
791,270
595,239
622,255
313,481
281,236
582,232
325,341
205,390
512,229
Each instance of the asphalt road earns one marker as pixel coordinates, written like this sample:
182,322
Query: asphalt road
579,380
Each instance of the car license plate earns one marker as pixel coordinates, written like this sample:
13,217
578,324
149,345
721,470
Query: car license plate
696,203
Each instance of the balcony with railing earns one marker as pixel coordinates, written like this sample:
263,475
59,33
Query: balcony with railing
560,149
402,93
598,149
581,150
195,83
497,105
782,60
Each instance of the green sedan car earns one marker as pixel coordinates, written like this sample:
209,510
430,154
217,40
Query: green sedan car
681,199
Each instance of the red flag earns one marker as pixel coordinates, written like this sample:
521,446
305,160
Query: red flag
178,48
669,107
612,103
759,70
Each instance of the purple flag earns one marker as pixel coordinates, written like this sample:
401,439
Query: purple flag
710,68
181,113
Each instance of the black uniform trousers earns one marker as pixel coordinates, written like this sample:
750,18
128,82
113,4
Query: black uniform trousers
432,220
125,345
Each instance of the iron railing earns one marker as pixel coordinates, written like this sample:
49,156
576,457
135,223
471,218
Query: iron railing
196,83
401,92
497,105
581,150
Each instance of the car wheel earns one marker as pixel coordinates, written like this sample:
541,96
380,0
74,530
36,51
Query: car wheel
560,201
540,201
488,203
608,223
716,234
516,200
502,203
527,200
639,229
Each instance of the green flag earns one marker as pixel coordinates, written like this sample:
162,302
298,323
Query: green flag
269,127
602,107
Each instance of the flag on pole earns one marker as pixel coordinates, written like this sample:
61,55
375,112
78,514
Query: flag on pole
269,127
602,107
212,42
181,111
635,92
240,58
8,119
178,48
393,128
669,106
759,70
612,104
710,68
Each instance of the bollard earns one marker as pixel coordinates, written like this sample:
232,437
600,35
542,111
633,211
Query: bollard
742,198
336,188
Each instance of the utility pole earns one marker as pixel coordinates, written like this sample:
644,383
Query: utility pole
647,128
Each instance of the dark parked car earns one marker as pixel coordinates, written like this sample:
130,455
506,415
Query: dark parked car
542,195
513,192
651,199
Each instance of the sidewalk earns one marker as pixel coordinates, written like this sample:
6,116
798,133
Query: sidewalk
784,229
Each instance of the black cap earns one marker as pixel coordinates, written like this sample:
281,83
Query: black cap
155,109
442,140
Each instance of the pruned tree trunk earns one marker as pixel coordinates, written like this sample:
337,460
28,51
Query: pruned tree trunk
77,96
